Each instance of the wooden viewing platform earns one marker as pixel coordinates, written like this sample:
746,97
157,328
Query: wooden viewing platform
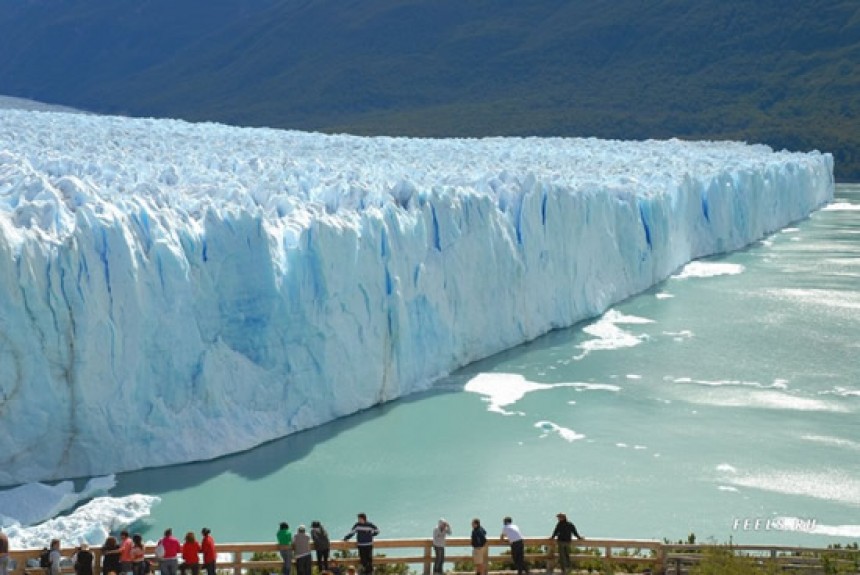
589,555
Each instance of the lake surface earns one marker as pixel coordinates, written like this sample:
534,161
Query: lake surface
727,394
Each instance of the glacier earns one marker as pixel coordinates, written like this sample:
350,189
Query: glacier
172,292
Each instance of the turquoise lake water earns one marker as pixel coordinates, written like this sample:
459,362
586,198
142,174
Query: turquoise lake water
723,396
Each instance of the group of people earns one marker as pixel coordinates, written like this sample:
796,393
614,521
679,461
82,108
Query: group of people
563,534
298,546
127,556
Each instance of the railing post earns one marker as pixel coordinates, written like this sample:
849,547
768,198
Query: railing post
237,563
660,560
427,557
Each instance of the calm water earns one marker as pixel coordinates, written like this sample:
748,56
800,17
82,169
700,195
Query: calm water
729,395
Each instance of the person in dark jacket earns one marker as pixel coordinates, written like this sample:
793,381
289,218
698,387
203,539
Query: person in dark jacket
83,560
479,547
321,544
564,533
110,557
364,532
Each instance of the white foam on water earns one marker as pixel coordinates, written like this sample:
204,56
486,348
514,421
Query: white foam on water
842,392
752,394
777,383
769,400
836,530
841,207
827,485
833,441
835,299
664,295
679,335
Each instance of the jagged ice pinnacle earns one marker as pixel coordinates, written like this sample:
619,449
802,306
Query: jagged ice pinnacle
172,292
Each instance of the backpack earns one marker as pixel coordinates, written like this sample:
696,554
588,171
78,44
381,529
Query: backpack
45,559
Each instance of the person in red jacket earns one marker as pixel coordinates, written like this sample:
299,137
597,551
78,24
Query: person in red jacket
209,554
190,555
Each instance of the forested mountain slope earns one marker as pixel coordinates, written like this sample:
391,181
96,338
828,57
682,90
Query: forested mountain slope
784,73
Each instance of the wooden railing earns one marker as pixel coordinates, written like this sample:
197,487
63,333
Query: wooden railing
678,558
592,555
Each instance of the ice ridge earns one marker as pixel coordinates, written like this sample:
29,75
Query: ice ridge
173,292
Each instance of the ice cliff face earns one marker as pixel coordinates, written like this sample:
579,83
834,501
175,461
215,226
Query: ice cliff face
172,292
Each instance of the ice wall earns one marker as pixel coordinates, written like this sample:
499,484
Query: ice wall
172,292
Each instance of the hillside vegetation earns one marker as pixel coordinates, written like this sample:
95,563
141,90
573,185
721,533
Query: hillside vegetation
784,73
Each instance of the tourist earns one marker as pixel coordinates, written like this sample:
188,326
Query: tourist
110,557
285,546
168,563
138,555
334,567
480,550
364,532
125,546
518,547
322,545
83,560
54,558
440,532
564,533
302,547
190,555
4,552
209,553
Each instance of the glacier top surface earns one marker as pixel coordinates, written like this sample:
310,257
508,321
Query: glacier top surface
53,164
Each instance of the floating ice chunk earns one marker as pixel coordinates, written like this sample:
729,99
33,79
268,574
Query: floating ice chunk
503,389
699,269
563,432
609,336
90,523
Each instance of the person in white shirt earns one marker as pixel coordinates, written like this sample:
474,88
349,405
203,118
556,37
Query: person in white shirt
518,548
